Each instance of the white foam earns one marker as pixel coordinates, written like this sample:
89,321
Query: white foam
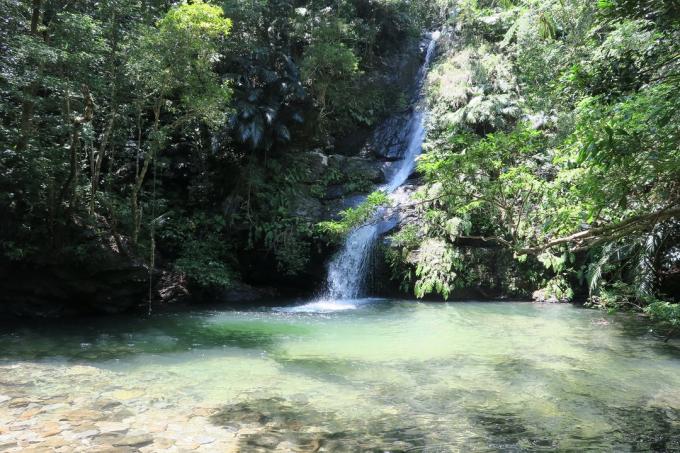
327,305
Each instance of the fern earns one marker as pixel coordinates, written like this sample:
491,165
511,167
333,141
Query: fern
646,272
596,269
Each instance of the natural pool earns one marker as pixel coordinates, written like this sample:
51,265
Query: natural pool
379,375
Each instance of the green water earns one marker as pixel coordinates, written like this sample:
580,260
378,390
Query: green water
385,376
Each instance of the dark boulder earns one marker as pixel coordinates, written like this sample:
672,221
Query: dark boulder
390,139
107,284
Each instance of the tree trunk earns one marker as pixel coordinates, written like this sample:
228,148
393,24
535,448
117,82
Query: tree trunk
32,89
76,126
134,197
96,160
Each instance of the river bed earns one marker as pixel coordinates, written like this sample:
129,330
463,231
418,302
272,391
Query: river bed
368,375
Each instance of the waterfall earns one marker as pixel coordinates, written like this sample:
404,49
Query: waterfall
348,269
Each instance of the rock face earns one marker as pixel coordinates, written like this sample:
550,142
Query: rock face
110,282
306,206
245,293
390,139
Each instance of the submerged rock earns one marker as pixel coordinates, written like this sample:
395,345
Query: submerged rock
139,440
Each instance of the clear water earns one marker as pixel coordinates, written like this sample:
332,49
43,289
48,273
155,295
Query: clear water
379,375
348,269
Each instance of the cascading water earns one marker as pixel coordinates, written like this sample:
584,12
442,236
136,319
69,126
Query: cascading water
348,269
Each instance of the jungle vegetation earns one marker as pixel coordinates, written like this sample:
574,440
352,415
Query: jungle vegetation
176,130
555,134
179,134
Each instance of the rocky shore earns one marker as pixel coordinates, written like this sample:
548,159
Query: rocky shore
77,409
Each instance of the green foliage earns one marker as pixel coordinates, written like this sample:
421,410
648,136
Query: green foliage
177,57
202,264
555,134
616,296
288,239
353,217
402,243
327,62
550,120
437,267
665,313
557,289
201,252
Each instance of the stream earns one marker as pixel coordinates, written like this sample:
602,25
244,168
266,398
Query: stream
368,375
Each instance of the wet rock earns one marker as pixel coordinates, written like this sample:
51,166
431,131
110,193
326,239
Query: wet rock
356,168
50,429
121,415
388,169
19,426
203,411
335,191
81,415
111,284
390,139
60,399
242,292
21,402
125,395
87,433
162,443
105,404
364,169
7,444
317,164
337,161
306,206
37,449
30,413
204,440
139,440
111,449
112,427
265,441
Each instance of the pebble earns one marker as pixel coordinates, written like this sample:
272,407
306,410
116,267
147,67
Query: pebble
266,441
112,427
105,404
127,394
86,434
6,445
82,414
163,443
102,418
134,441
20,402
203,411
203,440
30,413
50,429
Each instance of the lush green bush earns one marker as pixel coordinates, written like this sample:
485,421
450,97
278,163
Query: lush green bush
353,217
555,135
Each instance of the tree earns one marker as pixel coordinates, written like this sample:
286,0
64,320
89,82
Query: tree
176,58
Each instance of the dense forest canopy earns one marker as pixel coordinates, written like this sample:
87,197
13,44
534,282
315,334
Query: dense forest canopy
555,134
194,138
160,123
